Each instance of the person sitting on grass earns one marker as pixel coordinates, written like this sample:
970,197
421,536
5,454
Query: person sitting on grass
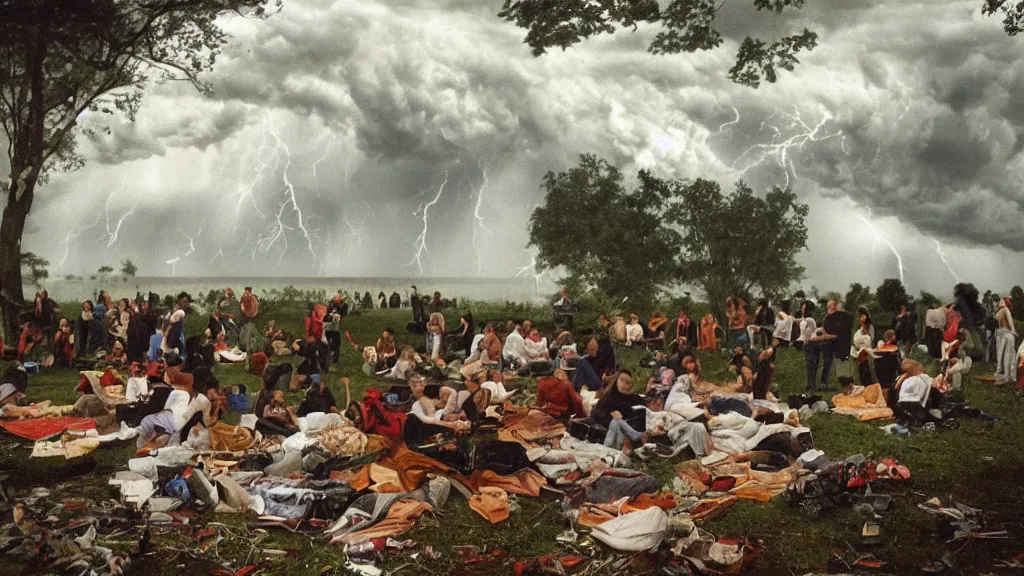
616,410
64,344
387,354
280,415
557,397
489,350
319,398
634,331
405,367
425,420
914,393
684,384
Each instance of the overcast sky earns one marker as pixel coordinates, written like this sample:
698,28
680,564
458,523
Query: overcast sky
903,130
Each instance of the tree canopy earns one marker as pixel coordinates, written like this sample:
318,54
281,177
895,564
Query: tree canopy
666,233
892,294
128,268
686,26
603,235
34,267
725,256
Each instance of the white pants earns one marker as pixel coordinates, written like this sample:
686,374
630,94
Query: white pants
1006,356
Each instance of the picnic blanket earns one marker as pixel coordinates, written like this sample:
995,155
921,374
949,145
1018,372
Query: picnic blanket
868,404
40,428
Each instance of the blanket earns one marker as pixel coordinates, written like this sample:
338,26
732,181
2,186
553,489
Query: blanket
866,404
45,427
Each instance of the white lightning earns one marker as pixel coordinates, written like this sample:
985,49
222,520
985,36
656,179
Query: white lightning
878,236
778,150
479,225
536,276
327,152
421,241
112,235
730,123
190,248
291,203
219,254
942,256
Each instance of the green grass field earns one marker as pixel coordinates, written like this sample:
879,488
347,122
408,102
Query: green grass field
979,464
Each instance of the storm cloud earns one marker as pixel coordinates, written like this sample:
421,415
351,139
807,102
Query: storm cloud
360,116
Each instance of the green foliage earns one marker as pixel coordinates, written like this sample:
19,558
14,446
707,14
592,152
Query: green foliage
128,268
1012,12
621,247
928,300
33,268
858,296
366,303
892,294
637,244
687,26
726,257
105,270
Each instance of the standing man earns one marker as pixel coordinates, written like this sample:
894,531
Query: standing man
811,349
250,306
1006,352
906,330
837,332
934,326
565,309
336,310
176,332
229,313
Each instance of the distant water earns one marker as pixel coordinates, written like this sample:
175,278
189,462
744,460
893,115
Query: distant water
523,289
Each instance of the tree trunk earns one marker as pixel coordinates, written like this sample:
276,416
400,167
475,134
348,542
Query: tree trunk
11,294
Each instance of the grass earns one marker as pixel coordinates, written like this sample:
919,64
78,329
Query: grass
979,464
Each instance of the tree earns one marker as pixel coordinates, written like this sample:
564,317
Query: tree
727,257
1012,11
604,236
1017,298
686,26
59,60
858,296
928,300
128,268
891,295
34,267
105,270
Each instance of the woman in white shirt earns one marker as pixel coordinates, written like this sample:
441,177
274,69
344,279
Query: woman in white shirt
862,349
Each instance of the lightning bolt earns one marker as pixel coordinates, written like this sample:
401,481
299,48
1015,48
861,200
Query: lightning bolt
327,151
219,254
113,234
278,228
421,241
878,236
778,150
730,123
479,225
536,276
942,256
190,248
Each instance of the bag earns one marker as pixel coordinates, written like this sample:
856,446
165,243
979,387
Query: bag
504,458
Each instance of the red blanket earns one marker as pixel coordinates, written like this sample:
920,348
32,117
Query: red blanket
40,428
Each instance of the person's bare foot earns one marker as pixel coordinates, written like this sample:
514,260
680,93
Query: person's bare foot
627,447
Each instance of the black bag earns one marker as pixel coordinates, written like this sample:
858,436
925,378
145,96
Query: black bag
504,458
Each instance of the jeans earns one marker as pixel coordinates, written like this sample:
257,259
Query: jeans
812,357
618,431
826,365
334,346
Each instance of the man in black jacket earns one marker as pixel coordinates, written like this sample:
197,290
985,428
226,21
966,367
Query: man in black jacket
837,333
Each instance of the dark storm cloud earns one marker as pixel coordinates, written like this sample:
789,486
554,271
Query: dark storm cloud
382,99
